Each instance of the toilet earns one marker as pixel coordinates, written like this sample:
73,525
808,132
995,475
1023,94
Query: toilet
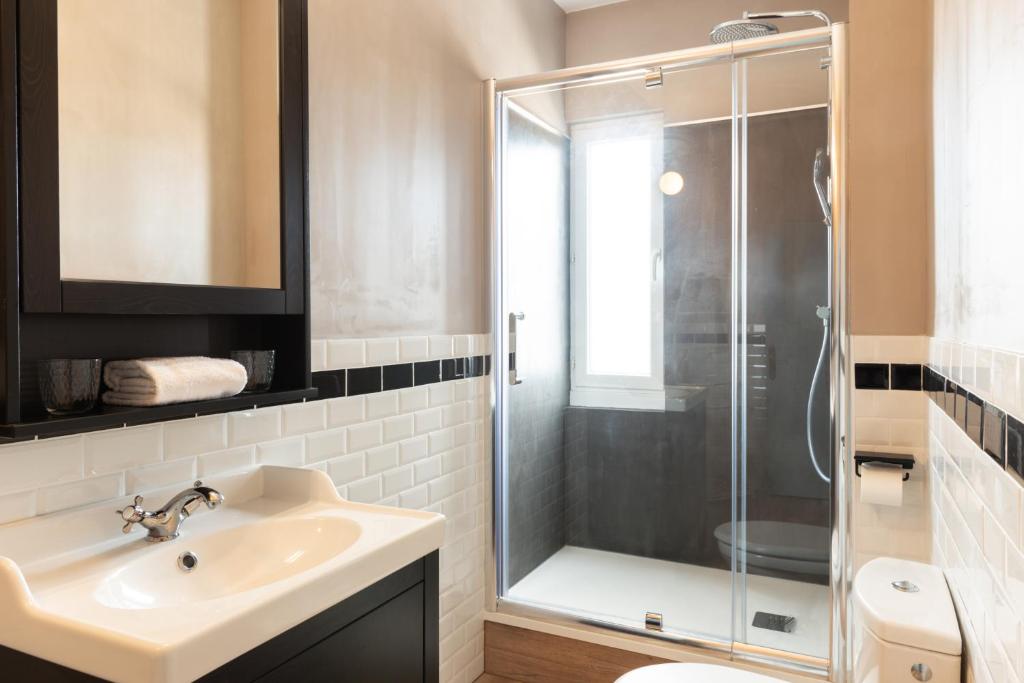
692,673
781,546
904,629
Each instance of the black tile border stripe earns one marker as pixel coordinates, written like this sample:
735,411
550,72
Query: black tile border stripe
906,376
377,378
997,433
871,375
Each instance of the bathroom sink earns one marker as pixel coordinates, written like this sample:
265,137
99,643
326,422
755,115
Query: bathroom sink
227,562
282,548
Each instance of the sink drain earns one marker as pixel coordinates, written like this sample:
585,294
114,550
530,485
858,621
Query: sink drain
187,561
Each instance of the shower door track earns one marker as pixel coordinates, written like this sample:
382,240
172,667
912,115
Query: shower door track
790,662
837,666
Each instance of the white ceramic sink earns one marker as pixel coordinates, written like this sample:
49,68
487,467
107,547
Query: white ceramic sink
230,561
282,548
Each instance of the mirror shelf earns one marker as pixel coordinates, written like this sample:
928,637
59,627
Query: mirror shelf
112,417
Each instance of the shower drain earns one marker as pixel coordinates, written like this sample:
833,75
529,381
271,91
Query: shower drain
774,622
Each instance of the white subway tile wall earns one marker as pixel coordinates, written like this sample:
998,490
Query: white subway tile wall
341,354
381,351
976,509
412,349
345,353
892,422
391,448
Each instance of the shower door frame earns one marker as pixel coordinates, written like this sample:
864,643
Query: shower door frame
837,665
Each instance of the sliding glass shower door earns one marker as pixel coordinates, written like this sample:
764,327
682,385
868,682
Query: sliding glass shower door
618,395
662,269
783,312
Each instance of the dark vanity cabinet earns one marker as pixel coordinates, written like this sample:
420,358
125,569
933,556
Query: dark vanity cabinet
387,633
151,209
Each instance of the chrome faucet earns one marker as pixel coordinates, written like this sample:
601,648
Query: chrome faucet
163,525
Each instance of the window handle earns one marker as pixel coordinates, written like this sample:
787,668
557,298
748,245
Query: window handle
513,323
655,260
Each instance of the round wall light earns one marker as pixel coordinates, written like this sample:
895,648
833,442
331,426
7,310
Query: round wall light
671,183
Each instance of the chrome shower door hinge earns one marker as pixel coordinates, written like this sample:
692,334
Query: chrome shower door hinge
653,621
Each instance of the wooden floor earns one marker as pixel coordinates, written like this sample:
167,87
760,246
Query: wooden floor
522,656
491,678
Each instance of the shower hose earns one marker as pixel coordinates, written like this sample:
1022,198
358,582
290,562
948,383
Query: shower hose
810,395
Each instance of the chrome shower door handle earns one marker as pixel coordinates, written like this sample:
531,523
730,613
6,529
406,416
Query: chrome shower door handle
513,323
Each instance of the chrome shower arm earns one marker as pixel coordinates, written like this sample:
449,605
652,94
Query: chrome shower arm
817,14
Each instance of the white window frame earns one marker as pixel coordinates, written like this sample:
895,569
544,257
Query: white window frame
615,391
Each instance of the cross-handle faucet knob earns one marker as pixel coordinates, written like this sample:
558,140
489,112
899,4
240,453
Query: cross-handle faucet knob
164,523
131,514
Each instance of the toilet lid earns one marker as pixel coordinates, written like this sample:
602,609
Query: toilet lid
693,673
782,539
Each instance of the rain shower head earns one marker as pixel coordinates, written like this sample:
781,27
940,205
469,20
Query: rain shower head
741,29
752,26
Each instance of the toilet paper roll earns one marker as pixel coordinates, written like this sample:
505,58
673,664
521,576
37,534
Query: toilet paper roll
881,484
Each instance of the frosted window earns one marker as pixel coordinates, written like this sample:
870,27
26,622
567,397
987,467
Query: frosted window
619,268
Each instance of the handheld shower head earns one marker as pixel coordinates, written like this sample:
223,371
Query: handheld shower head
818,175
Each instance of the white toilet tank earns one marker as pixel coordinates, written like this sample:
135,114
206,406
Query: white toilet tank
905,627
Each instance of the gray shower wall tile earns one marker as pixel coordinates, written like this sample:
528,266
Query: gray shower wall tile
786,280
575,476
539,286
636,485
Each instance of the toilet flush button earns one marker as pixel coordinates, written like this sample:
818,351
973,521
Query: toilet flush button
921,672
907,587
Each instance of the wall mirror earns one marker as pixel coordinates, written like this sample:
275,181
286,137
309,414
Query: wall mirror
168,141
153,195
162,156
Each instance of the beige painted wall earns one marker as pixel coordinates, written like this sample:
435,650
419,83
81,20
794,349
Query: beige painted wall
399,239
168,141
888,181
889,128
640,27
979,229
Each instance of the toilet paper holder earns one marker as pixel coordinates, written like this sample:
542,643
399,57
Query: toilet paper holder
903,460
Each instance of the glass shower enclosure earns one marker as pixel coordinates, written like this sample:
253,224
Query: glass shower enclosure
669,345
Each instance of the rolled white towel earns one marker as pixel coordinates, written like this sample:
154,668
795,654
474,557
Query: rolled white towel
158,381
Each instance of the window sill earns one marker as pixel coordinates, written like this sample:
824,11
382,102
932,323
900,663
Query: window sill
674,399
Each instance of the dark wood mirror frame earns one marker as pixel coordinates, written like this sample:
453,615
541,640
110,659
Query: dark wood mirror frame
47,317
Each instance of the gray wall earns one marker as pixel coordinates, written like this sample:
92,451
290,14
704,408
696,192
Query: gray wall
788,262
536,221
635,483
657,483
786,274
